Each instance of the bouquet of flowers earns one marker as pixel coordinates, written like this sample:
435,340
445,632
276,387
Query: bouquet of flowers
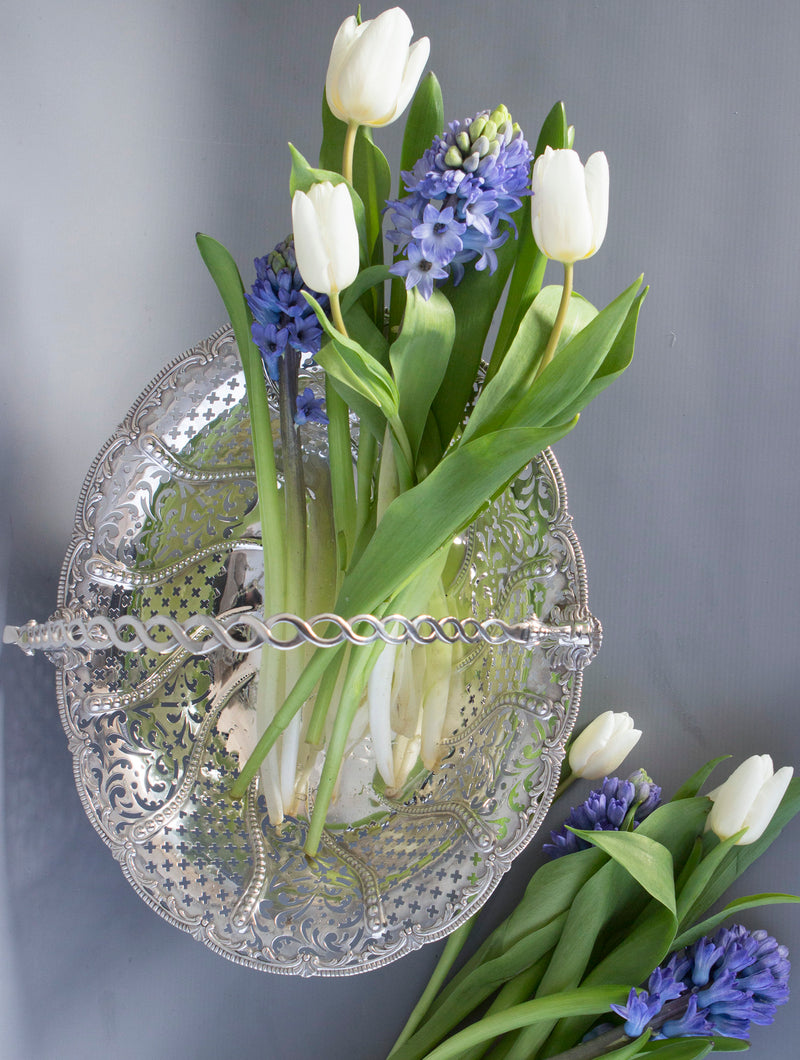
612,952
428,417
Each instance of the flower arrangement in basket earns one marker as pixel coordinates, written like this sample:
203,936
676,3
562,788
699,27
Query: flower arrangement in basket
444,415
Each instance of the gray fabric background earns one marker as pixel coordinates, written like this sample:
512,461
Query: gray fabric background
127,128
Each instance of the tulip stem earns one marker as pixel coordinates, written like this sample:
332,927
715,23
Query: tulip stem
336,313
561,316
349,151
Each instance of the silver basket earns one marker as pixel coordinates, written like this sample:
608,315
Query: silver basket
159,615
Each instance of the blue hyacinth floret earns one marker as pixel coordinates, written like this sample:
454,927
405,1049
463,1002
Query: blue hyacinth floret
605,810
283,319
460,193
716,986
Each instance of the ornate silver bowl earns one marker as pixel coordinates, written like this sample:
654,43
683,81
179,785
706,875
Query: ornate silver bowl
165,526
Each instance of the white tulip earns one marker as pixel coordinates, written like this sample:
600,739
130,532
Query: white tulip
325,237
374,69
603,745
748,799
569,209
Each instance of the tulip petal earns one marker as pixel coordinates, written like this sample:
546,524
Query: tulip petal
417,58
562,223
595,174
342,43
312,259
734,799
341,237
765,804
584,745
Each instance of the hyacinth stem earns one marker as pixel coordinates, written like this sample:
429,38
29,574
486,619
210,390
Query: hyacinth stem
452,949
561,316
295,501
347,158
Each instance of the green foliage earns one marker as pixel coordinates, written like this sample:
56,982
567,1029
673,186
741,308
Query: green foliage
647,861
419,359
425,120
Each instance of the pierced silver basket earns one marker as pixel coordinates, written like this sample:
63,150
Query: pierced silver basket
152,696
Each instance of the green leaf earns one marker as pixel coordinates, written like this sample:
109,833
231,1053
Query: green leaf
690,788
518,371
583,1001
740,858
631,1050
751,901
642,948
304,175
562,382
419,358
474,302
529,268
610,901
425,120
615,363
367,278
226,276
347,361
647,861
426,517
473,985
361,329
704,872
679,1049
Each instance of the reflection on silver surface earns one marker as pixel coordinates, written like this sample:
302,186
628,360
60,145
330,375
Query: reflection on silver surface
166,525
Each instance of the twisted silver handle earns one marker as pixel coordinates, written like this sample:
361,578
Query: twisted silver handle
242,630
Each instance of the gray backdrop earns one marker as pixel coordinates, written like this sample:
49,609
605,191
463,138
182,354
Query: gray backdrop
130,126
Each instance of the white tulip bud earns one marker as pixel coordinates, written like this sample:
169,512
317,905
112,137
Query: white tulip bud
325,237
603,745
374,69
569,209
748,799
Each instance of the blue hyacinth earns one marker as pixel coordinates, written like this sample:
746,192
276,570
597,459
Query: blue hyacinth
716,986
606,810
460,193
283,319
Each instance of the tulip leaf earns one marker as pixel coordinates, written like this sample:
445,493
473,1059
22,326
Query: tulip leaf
424,518
590,1001
631,1050
751,901
646,860
347,361
361,329
474,301
611,899
419,358
679,1049
518,370
703,873
740,858
693,1048
565,382
526,280
304,176
367,278
690,787
425,120
643,947
615,363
